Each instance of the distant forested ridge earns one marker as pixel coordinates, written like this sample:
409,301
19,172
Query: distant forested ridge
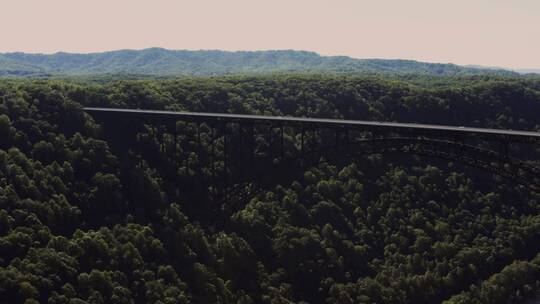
81,223
162,62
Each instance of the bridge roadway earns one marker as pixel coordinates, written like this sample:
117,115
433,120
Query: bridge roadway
200,116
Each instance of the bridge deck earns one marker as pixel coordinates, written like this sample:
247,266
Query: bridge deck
198,116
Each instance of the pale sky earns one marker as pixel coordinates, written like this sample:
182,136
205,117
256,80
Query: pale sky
486,32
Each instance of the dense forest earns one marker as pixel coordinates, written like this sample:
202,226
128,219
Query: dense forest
162,62
82,223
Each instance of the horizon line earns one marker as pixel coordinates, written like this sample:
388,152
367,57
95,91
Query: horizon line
469,65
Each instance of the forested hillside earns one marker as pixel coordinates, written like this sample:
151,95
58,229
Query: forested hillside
159,62
81,223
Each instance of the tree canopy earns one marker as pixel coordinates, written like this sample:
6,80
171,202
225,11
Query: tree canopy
81,223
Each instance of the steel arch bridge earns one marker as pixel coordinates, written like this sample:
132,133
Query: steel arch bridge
240,148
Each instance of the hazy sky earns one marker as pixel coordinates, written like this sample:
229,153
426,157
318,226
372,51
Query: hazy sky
487,32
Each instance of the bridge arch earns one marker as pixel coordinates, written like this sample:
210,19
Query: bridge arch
489,161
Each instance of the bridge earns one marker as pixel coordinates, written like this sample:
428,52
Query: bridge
258,143
239,118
